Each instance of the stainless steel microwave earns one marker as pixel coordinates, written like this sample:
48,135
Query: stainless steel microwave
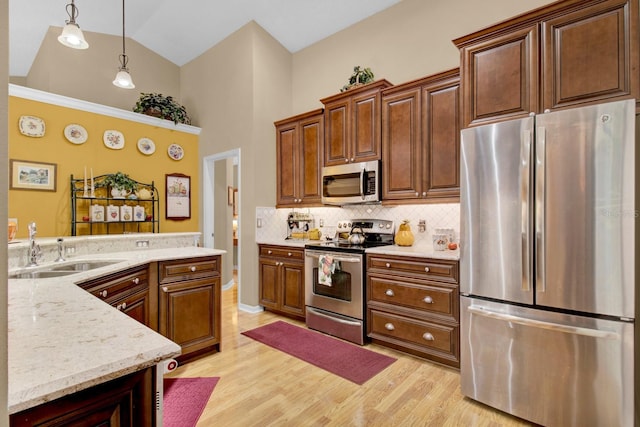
352,183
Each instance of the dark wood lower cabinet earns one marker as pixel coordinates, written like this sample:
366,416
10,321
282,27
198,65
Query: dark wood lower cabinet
413,306
189,305
127,401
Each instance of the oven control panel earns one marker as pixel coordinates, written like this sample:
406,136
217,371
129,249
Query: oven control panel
379,226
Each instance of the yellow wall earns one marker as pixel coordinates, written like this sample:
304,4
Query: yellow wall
51,210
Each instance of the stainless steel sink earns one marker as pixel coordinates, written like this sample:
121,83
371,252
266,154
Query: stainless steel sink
62,270
83,266
41,274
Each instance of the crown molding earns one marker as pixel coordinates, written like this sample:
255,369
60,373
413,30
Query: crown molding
91,107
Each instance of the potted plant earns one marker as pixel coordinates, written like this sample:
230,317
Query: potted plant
164,107
359,77
120,183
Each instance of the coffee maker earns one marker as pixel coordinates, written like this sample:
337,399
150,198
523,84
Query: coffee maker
299,224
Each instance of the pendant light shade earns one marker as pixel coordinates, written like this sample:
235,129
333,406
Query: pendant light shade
123,78
71,33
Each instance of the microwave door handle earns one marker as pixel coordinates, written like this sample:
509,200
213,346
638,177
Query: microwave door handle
362,182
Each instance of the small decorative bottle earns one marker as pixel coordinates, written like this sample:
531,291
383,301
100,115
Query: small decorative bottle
404,236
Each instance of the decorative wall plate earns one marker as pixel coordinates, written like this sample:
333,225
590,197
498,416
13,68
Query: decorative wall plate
175,152
113,139
31,126
75,134
146,146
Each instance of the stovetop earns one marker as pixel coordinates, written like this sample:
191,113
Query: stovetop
376,232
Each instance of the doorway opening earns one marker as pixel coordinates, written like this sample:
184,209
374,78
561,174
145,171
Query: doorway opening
221,219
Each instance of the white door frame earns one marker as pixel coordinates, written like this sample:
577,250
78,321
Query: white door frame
208,201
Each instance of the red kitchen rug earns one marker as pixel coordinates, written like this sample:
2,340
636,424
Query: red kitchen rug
349,361
185,399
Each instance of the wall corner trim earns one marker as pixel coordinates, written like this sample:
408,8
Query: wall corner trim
78,104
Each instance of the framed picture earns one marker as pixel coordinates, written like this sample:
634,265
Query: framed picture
26,175
178,196
229,195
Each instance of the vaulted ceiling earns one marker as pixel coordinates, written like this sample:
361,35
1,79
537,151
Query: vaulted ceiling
182,30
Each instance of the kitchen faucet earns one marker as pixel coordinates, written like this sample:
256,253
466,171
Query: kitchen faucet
60,258
35,253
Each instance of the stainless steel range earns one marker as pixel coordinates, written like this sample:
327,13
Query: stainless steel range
335,277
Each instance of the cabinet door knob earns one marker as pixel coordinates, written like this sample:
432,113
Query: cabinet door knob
269,252
428,300
123,306
289,254
136,281
424,194
427,336
389,327
165,289
426,269
193,268
388,265
417,194
104,293
353,160
346,160
119,307
389,293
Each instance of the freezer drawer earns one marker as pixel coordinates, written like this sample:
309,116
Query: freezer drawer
549,368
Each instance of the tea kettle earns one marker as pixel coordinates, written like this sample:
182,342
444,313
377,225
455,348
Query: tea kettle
356,237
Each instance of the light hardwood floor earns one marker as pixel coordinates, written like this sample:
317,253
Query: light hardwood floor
260,386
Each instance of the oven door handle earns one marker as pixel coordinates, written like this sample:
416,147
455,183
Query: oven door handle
334,319
336,258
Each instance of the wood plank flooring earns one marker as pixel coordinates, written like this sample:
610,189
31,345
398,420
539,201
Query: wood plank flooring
260,386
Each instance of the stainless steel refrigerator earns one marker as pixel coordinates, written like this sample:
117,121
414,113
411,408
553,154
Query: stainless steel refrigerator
547,266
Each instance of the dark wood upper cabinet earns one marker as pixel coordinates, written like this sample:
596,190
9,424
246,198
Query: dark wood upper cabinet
352,125
565,54
420,140
299,153
590,54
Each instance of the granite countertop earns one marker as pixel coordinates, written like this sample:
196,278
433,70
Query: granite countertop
295,243
422,250
62,339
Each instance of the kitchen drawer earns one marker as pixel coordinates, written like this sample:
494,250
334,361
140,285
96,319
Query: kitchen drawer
425,297
282,252
188,269
113,287
427,268
436,341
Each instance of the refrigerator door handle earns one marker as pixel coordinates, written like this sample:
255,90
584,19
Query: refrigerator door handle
595,333
540,208
525,178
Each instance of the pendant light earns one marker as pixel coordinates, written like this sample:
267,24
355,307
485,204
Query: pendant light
123,78
71,35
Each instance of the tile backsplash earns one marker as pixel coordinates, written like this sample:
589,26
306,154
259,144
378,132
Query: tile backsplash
271,223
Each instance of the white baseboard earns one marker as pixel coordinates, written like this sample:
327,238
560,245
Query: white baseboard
253,309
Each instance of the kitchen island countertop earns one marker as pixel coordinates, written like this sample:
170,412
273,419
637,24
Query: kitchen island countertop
62,339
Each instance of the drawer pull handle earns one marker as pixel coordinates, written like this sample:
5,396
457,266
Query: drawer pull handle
428,300
193,268
165,289
136,281
390,293
426,269
388,265
389,327
427,336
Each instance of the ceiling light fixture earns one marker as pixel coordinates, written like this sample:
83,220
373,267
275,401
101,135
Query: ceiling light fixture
123,78
71,33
